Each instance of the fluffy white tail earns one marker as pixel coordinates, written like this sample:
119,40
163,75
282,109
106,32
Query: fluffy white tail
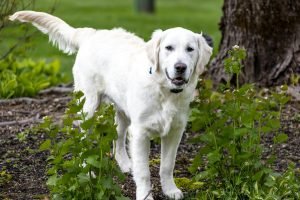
61,34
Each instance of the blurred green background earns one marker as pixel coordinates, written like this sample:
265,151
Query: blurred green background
196,15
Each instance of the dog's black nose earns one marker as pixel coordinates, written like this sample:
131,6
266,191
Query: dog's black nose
180,68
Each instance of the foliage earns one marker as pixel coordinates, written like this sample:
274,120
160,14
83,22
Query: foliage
27,77
9,6
9,41
81,165
5,177
188,184
234,122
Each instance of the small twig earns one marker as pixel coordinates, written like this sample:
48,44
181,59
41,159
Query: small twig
68,98
9,51
294,109
27,100
149,193
56,90
21,111
24,121
19,43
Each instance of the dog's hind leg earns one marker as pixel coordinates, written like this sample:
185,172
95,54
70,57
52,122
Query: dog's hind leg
120,151
86,85
92,101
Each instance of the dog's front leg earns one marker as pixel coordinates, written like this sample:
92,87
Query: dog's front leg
140,148
169,145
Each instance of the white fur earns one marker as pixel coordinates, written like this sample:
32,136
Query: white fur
120,67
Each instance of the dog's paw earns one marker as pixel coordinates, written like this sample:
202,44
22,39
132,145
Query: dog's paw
174,194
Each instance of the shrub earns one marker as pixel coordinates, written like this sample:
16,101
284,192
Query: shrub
27,77
81,162
234,121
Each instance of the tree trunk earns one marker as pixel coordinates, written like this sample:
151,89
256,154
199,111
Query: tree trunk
270,32
146,6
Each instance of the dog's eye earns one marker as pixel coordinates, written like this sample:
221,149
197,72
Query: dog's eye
169,48
190,49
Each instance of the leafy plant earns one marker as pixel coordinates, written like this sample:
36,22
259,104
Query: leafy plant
5,177
27,77
188,184
234,120
81,163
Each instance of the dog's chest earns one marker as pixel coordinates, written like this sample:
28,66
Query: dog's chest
167,116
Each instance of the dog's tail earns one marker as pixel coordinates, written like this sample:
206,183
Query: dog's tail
67,38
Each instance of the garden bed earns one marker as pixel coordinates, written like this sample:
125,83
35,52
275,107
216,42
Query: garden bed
22,166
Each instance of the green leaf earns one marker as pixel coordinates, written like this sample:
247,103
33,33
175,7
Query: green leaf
107,183
197,161
52,180
87,124
92,160
257,176
275,124
122,198
100,195
271,180
280,138
26,77
202,175
239,132
83,178
214,156
45,145
266,129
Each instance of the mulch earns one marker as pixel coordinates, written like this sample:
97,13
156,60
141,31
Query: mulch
26,165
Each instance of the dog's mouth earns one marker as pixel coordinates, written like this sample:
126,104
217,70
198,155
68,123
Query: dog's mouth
178,81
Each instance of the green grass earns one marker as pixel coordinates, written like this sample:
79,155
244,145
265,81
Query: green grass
196,15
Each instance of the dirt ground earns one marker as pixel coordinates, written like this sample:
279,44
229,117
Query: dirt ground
22,166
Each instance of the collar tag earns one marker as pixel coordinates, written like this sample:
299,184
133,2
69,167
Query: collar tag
150,70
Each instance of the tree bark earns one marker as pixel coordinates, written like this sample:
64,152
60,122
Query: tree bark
146,6
270,32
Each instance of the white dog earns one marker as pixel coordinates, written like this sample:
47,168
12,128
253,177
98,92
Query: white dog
150,83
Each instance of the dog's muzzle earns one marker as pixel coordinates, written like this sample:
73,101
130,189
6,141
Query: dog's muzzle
177,81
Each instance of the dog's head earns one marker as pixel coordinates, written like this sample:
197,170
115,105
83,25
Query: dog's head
178,54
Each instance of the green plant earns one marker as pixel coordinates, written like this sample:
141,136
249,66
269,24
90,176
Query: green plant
188,184
234,120
5,177
27,77
81,163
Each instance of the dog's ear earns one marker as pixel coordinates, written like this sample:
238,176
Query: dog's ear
209,40
152,48
205,51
